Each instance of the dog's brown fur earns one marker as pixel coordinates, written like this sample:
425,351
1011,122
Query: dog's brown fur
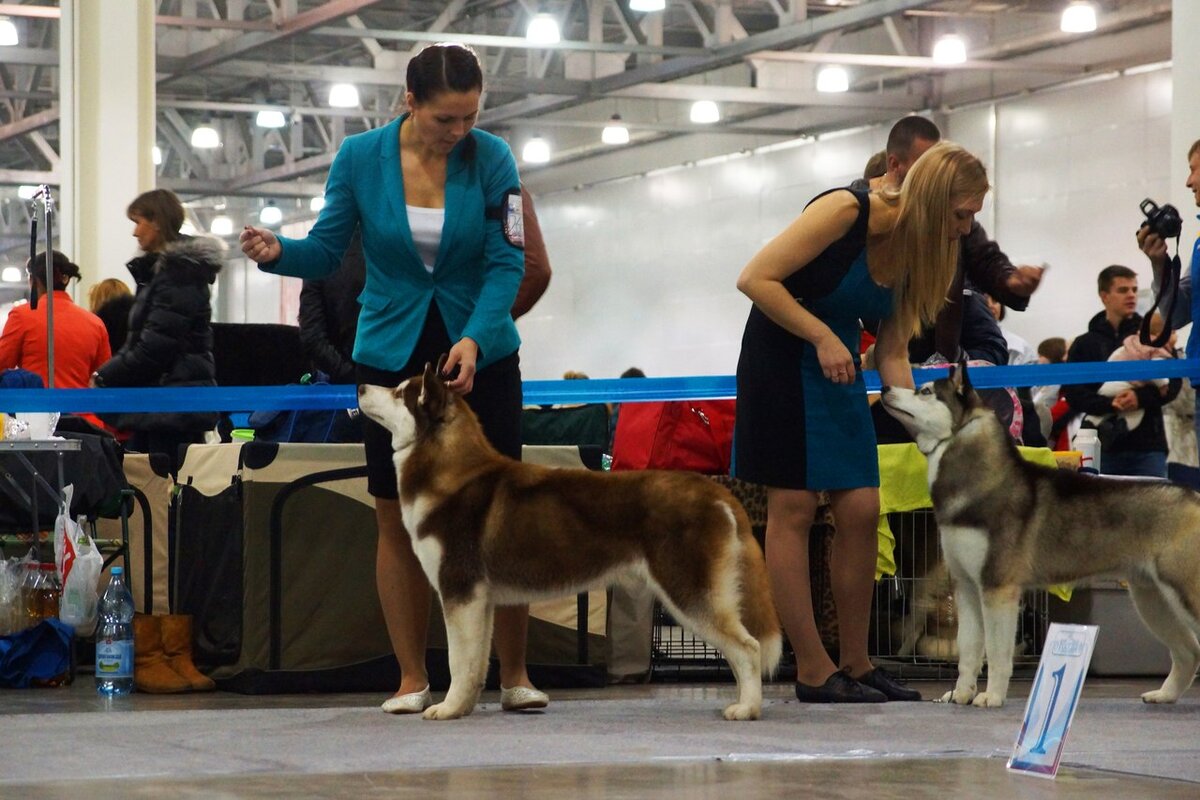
492,531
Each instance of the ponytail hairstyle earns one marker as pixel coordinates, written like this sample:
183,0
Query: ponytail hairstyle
445,67
925,251
64,270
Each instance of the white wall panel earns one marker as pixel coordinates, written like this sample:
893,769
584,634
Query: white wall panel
1072,166
644,268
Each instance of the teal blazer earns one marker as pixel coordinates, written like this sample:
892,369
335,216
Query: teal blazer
477,272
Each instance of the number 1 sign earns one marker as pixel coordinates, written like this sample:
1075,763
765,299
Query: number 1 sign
1053,699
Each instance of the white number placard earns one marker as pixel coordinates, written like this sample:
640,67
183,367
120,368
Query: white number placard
1053,700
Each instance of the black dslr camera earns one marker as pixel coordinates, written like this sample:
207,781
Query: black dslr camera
1163,220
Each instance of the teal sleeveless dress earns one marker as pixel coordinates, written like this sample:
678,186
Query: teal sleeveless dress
795,428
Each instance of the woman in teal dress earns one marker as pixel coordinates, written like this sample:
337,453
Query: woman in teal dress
803,422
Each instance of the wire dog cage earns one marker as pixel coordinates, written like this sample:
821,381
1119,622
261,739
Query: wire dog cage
914,621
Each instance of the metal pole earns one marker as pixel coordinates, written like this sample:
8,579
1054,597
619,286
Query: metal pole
48,207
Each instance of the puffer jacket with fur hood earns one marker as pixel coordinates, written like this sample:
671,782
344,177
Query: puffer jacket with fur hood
170,330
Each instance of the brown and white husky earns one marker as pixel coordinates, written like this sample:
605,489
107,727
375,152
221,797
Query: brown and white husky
491,531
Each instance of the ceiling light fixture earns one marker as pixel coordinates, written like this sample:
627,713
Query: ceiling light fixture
536,151
270,119
316,204
26,191
156,155
1078,17
646,6
543,29
205,137
615,131
833,79
8,33
343,95
705,112
221,225
12,275
270,214
950,49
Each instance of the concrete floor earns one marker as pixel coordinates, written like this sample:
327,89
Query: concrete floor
652,741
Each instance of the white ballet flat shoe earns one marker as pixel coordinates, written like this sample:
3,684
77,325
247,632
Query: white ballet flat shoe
411,703
522,698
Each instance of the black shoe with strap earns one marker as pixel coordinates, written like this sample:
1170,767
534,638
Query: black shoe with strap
888,684
839,688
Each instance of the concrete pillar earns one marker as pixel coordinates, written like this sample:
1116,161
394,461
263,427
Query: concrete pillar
107,130
1185,104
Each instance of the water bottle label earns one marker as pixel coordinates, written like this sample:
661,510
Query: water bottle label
114,659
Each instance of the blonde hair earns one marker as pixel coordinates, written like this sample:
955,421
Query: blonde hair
104,291
924,253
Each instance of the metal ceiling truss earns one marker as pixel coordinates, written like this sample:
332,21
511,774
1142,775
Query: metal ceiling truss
225,60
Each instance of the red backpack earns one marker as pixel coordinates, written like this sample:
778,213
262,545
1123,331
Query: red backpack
695,435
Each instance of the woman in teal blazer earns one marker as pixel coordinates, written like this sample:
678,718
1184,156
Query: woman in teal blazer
439,207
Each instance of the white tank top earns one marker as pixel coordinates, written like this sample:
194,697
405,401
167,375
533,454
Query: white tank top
426,225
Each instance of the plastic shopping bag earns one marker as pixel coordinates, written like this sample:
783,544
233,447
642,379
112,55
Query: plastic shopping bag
79,566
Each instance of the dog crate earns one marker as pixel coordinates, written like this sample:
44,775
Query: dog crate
914,621
675,652
678,654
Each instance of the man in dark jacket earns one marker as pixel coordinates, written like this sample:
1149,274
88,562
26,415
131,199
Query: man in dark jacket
329,315
981,262
1142,451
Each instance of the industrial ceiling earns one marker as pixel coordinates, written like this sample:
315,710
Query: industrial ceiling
221,62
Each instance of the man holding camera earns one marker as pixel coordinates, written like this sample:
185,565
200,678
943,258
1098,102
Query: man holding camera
1142,451
1154,244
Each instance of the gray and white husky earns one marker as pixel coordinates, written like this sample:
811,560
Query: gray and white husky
1008,525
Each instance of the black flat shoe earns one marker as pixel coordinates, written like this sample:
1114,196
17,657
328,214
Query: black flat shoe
891,687
839,688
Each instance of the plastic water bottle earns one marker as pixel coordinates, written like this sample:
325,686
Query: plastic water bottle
1087,442
114,637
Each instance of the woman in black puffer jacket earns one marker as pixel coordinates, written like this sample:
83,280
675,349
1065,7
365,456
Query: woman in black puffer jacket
170,332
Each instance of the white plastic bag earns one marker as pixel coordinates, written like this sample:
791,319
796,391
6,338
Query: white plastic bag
79,566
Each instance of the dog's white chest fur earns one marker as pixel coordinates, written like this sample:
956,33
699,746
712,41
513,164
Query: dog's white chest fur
965,548
428,549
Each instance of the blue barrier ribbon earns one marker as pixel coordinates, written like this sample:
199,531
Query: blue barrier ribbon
595,390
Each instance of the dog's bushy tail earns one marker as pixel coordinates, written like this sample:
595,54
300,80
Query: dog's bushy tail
758,608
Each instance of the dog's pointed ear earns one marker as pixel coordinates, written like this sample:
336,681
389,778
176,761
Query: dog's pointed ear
433,390
964,380
954,376
430,375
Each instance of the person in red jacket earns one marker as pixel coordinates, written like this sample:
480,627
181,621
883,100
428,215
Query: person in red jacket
80,338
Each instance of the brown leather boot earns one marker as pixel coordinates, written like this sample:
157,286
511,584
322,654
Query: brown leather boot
150,671
177,646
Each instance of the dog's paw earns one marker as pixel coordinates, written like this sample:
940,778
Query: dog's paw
742,711
446,711
988,700
960,697
1159,696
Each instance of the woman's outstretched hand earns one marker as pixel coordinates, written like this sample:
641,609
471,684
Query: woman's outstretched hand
260,245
